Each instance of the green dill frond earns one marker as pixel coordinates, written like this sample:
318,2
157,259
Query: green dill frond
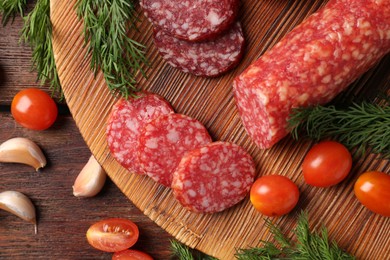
10,8
309,245
316,246
183,252
360,126
106,25
269,251
37,32
278,235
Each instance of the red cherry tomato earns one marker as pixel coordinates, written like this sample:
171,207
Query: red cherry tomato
113,235
34,109
274,195
326,164
131,254
373,190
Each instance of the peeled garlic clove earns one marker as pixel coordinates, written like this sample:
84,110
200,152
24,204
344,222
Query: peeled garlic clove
90,180
18,204
22,150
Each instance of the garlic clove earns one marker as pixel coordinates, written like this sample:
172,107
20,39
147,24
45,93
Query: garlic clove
90,180
22,150
18,204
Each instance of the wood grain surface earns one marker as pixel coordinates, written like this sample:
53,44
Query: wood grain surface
357,230
62,218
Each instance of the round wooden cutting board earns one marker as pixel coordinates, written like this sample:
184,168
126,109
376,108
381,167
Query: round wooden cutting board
356,229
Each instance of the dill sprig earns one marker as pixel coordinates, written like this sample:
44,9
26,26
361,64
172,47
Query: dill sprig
183,252
360,125
37,32
10,8
106,25
310,245
316,245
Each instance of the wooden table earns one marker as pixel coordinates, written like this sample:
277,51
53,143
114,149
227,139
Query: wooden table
62,218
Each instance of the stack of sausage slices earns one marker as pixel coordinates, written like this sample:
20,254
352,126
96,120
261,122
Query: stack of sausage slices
146,136
201,37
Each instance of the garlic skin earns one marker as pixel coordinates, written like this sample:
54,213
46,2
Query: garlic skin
22,150
18,204
90,180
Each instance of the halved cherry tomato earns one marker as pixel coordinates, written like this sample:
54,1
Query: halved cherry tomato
131,254
373,190
34,109
327,163
274,195
113,235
